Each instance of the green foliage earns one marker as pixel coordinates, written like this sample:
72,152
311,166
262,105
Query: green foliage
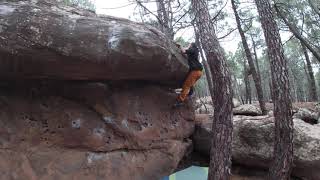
298,74
235,62
86,4
300,13
201,88
182,41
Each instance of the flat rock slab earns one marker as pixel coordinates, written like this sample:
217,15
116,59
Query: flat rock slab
42,163
253,139
247,110
312,117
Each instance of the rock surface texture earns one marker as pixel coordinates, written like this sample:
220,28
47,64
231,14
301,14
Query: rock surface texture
253,143
39,39
204,105
308,116
86,97
247,110
91,132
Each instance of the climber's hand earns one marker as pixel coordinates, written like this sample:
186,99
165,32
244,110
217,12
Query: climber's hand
178,45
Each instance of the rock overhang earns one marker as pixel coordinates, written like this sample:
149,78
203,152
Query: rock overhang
47,41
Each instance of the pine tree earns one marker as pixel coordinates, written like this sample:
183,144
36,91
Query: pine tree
220,156
283,148
252,69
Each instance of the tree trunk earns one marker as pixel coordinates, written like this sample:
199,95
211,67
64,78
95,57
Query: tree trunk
163,17
247,83
237,89
271,90
208,74
312,81
309,93
160,16
205,64
302,93
283,150
298,35
220,156
255,76
266,88
295,90
256,57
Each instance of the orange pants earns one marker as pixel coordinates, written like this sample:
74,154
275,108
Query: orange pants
190,81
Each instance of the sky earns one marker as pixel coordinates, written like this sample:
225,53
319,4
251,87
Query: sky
118,8
126,9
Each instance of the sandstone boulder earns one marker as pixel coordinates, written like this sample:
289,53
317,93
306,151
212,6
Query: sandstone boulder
70,164
204,105
44,40
84,96
236,103
253,143
91,131
205,109
247,110
308,116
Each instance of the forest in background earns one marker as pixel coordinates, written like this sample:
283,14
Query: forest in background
301,16
276,68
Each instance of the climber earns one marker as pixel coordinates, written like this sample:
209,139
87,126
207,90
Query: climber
195,72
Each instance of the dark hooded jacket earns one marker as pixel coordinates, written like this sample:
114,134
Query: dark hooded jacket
193,58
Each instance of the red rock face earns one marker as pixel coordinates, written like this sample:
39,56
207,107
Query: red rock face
74,130
91,131
41,40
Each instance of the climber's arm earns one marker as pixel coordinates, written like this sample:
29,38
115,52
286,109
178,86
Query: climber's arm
183,51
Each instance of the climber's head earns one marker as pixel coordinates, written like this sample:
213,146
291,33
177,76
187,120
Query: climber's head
193,45
193,48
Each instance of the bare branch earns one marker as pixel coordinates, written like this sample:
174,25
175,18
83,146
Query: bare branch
145,8
314,7
219,12
181,17
121,6
226,35
297,34
288,40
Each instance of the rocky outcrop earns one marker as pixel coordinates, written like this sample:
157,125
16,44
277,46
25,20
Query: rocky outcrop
76,131
308,116
253,143
204,105
43,40
87,97
68,164
204,109
247,110
236,103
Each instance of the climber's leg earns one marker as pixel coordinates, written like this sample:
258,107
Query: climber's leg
191,91
191,80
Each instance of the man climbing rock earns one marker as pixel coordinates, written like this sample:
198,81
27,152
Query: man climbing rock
195,72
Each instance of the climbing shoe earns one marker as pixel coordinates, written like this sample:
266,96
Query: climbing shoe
178,104
191,92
